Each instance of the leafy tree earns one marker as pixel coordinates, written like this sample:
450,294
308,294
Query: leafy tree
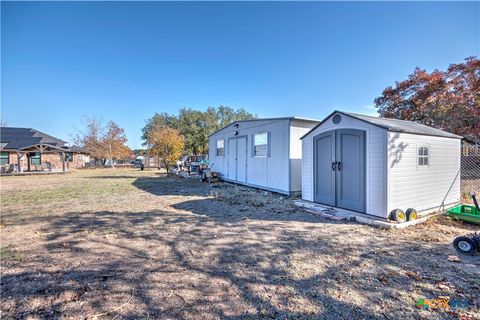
103,142
448,100
113,141
167,144
227,115
195,126
159,120
140,152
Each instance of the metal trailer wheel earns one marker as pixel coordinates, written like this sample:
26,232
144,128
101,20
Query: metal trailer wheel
465,245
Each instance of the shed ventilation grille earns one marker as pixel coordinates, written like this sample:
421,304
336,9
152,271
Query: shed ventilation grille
337,119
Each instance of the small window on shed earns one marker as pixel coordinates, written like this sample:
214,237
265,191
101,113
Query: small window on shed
4,158
260,144
423,156
220,148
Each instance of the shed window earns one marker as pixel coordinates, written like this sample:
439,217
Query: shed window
220,148
69,156
35,158
423,156
260,145
4,158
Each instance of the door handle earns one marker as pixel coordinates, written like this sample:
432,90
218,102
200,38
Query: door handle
339,166
333,166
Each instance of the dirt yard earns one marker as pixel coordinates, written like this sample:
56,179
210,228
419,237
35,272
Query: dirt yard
129,244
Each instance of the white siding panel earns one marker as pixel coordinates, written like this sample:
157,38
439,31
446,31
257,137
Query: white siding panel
376,162
219,163
307,168
269,172
297,130
422,187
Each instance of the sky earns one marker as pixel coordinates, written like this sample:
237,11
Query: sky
123,61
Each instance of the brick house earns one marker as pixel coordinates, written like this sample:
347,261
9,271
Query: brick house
26,149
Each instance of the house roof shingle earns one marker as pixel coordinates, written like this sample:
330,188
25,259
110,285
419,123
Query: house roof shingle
17,138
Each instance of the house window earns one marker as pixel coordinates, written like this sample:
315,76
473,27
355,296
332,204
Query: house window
260,144
69,156
4,159
423,156
220,148
35,158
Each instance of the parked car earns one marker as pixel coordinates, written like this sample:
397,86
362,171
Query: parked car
139,162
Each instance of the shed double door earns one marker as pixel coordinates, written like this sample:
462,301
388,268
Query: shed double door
339,170
237,159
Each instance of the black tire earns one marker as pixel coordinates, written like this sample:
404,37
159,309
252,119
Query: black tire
465,245
398,215
411,214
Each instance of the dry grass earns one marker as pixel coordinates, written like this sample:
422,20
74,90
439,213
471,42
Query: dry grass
130,244
468,187
248,197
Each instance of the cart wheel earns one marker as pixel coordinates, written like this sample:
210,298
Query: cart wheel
411,214
398,215
465,245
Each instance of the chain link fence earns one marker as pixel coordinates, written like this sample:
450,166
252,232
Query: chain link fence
470,170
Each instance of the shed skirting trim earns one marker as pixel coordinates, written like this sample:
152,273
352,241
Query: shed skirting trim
285,192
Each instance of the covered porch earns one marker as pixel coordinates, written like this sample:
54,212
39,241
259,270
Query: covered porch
44,158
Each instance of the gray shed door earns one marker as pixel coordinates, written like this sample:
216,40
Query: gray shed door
324,172
237,159
340,169
350,169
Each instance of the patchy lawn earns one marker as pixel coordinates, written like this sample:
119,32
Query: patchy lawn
136,244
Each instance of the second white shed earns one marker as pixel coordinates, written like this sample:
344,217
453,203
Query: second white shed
263,153
376,165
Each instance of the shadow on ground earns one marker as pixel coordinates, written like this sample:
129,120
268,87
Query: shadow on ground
216,209
164,185
199,256
163,264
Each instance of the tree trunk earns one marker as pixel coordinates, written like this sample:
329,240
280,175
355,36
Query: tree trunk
166,166
110,155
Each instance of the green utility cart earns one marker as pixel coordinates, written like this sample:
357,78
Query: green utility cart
465,212
470,243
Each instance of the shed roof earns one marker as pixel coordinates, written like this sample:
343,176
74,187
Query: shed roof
267,119
394,125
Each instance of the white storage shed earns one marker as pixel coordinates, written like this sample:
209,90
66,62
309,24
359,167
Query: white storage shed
376,165
262,153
